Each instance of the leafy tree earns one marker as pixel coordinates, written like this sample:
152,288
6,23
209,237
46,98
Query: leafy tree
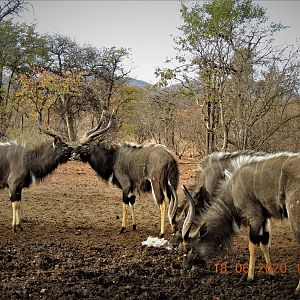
41,91
126,101
20,49
258,106
102,74
227,46
35,93
107,75
68,90
65,54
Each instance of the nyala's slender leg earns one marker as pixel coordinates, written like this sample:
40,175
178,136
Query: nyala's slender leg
124,217
162,220
133,216
252,260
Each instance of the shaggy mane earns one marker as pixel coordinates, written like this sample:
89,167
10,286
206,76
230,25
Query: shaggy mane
239,162
220,156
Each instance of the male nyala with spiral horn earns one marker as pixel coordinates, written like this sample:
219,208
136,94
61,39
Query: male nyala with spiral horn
256,192
144,168
21,166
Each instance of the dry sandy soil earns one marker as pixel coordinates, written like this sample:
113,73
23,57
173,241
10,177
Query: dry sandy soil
71,248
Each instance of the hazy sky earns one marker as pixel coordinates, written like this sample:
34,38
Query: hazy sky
144,26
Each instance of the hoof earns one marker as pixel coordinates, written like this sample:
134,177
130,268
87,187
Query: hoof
19,226
134,227
250,279
161,235
122,230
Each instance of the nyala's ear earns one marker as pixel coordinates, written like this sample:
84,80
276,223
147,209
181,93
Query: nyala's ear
202,231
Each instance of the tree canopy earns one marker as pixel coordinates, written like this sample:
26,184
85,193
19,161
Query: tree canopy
225,52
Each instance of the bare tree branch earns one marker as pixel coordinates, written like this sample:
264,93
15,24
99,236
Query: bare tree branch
11,7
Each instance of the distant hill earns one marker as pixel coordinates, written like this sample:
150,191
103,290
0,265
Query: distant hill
136,82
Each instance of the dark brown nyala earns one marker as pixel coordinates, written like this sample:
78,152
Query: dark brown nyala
147,168
21,166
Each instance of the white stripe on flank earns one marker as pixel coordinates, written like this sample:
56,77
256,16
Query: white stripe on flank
254,179
165,193
153,194
262,171
280,178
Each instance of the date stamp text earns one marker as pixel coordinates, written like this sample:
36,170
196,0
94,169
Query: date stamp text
274,268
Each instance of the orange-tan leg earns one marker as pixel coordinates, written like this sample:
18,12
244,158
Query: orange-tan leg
266,248
124,217
14,212
251,261
162,207
133,216
16,220
266,251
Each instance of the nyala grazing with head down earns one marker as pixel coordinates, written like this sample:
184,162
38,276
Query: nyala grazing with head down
148,168
21,166
255,193
210,174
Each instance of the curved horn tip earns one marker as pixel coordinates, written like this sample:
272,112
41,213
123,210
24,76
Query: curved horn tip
173,205
190,215
47,131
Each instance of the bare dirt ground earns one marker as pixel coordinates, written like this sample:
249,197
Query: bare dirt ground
71,248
